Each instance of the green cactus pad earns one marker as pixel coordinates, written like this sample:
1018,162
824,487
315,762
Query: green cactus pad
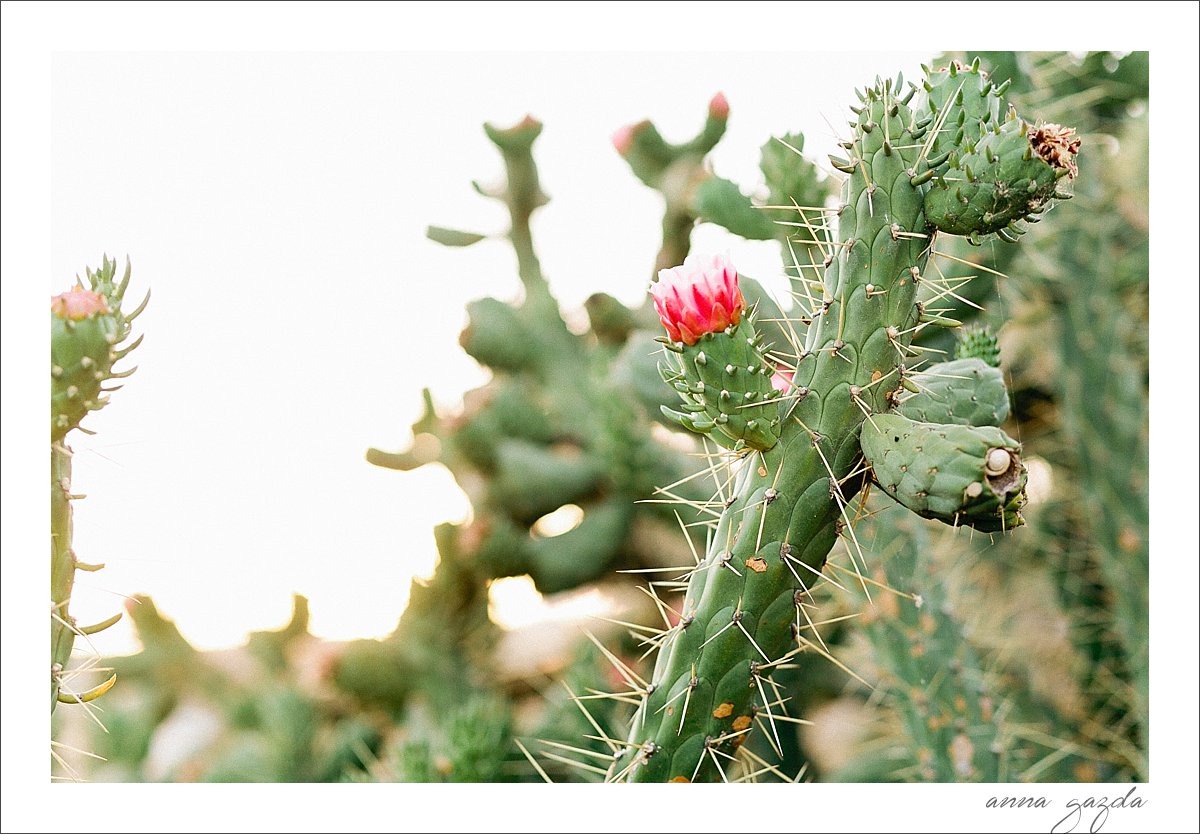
961,475
531,480
966,392
792,180
496,336
720,201
583,554
87,329
722,379
1009,175
81,359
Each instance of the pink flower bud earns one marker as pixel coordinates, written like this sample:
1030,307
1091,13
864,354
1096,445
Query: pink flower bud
782,380
701,296
623,139
78,304
718,108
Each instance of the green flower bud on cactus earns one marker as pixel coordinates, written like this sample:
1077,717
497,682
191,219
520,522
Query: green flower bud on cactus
961,475
967,392
978,342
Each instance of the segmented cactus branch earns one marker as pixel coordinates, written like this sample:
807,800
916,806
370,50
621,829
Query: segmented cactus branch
794,451
88,330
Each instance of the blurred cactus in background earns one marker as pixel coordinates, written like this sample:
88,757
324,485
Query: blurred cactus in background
928,652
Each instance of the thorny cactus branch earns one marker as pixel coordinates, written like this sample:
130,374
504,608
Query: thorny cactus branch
88,330
956,161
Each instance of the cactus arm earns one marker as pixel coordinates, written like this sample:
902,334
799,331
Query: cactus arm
62,568
954,473
720,201
522,194
786,507
742,612
88,329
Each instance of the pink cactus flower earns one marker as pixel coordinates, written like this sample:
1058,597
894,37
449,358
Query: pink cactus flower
718,107
782,380
701,296
78,304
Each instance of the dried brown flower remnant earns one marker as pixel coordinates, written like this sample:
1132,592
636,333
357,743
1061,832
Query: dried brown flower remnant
1057,145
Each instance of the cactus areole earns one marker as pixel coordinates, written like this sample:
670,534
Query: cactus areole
955,160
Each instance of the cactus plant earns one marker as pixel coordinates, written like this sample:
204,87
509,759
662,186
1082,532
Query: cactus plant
88,336
974,657
796,459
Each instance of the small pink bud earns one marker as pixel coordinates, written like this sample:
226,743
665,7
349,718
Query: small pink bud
701,296
782,381
78,304
623,139
718,108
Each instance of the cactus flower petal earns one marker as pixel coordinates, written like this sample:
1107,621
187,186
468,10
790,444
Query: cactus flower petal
701,296
78,304
782,380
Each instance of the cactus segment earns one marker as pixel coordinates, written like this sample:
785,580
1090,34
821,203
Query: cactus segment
725,384
720,201
531,480
87,332
62,568
786,507
966,392
81,359
960,475
496,336
963,104
992,168
87,329
1008,176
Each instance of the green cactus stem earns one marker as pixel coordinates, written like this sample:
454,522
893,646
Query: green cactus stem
786,505
87,333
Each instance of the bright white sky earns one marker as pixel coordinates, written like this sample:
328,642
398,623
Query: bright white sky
276,205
